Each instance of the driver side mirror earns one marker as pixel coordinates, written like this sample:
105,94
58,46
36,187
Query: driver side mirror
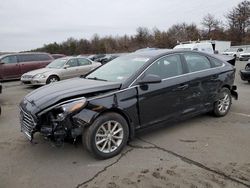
150,79
66,66
1,62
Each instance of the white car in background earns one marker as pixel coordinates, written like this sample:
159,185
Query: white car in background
245,56
60,69
202,47
235,52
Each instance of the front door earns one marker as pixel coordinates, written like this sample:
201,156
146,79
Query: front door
159,102
10,67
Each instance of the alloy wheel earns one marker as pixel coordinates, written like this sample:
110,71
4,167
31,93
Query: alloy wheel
224,103
109,136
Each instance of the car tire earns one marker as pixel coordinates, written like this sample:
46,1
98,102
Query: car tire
248,81
52,79
107,136
223,104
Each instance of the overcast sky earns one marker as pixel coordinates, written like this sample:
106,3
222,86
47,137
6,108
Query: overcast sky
28,24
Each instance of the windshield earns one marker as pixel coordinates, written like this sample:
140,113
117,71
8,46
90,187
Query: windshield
120,69
57,64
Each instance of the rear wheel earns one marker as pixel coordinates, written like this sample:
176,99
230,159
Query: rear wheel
52,79
223,104
107,136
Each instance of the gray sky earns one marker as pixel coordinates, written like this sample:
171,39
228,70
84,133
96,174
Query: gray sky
28,24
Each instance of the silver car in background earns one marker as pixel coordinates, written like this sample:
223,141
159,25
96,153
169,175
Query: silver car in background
60,69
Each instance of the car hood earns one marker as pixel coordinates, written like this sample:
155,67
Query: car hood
51,94
228,53
40,71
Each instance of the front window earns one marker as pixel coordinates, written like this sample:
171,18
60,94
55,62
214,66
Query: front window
120,69
57,64
166,67
9,59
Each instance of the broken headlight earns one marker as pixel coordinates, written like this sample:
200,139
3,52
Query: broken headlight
70,108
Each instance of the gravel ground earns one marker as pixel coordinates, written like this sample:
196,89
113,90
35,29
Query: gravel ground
200,152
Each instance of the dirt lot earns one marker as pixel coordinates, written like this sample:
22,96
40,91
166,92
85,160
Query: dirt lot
201,152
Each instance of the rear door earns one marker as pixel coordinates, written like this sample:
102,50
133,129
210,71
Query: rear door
71,70
85,66
159,102
10,68
203,83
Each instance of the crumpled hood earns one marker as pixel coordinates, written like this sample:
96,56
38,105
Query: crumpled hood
39,71
51,94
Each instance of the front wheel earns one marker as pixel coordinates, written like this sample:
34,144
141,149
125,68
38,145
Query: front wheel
223,104
107,136
52,79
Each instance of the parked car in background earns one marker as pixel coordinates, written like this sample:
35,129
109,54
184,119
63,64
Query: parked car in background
202,47
107,58
12,66
245,74
56,56
245,56
131,92
59,69
235,52
95,56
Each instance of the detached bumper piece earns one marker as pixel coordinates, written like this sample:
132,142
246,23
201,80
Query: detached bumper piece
27,124
234,92
245,75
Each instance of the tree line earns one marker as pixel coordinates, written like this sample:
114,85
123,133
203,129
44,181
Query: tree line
235,28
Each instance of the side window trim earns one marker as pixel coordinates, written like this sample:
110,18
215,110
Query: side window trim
134,82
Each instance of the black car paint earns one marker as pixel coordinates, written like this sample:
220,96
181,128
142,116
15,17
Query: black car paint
141,105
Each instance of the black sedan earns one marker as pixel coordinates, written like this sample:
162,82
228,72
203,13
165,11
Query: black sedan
245,74
132,92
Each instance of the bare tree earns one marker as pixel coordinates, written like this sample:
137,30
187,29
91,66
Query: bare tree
210,23
239,21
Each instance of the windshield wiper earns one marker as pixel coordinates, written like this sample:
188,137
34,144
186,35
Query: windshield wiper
95,78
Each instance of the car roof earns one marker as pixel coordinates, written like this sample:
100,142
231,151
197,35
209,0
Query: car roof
23,53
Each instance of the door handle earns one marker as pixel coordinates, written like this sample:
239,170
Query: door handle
181,87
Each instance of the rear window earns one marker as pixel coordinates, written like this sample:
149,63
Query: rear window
196,62
83,61
44,57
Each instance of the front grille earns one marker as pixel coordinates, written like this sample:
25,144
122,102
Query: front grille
27,76
27,124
